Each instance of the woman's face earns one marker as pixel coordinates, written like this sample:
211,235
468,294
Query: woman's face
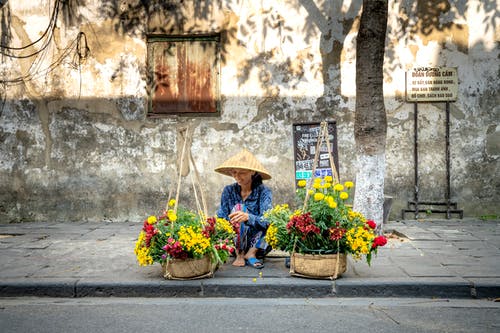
243,177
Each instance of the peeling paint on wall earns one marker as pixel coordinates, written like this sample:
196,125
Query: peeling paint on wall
76,144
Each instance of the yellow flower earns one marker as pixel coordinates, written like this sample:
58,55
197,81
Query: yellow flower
328,179
317,180
171,203
152,219
327,185
140,239
280,208
318,196
331,202
141,251
171,215
359,240
193,241
143,257
316,185
338,187
348,184
311,192
344,195
271,238
224,225
352,215
301,183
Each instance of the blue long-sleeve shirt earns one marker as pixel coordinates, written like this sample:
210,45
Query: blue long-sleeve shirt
259,200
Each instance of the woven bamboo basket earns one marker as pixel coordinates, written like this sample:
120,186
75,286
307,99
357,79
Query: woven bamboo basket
188,269
318,266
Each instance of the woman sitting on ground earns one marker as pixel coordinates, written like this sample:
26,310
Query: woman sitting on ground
243,203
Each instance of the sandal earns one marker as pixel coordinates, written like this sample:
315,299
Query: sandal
255,263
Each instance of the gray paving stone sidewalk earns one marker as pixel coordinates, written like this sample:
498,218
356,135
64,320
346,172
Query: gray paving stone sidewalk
431,258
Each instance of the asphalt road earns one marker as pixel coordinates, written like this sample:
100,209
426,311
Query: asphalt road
247,315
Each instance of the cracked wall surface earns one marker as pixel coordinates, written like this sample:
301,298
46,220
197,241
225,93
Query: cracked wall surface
76,144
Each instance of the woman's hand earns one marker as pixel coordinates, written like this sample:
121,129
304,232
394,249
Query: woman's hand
238,217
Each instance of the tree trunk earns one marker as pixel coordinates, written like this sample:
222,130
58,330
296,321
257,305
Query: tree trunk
370,124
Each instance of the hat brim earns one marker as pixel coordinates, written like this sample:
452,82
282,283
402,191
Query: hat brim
228,171
244,160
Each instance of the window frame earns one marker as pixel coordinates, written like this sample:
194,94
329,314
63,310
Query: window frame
151,79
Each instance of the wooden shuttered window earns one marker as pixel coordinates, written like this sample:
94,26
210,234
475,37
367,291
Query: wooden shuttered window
183,75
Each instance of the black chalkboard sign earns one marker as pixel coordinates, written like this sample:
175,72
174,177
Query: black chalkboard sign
305,140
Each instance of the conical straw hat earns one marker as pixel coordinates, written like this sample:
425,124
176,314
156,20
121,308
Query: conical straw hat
243,160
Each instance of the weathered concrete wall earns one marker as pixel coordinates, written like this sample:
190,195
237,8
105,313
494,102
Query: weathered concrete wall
76,143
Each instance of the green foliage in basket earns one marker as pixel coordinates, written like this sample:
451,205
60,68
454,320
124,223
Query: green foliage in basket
183,234
326,225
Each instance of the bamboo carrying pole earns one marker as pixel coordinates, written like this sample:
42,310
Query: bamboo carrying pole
202,209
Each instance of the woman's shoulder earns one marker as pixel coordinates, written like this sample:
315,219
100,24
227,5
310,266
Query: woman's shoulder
231,187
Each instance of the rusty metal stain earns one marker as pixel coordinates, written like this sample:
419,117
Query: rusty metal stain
185,78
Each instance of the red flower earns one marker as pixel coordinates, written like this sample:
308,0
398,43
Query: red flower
336,233
304,224
209,228
150,231
236,227
174,249
371,224
379,241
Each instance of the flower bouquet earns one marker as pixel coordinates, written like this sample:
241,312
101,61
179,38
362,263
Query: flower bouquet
184,243
325,227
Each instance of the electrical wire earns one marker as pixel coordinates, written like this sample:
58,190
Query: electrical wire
49,32
79,45
31,76
82,52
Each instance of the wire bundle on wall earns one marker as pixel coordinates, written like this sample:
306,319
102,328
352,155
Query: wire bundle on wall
78,46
